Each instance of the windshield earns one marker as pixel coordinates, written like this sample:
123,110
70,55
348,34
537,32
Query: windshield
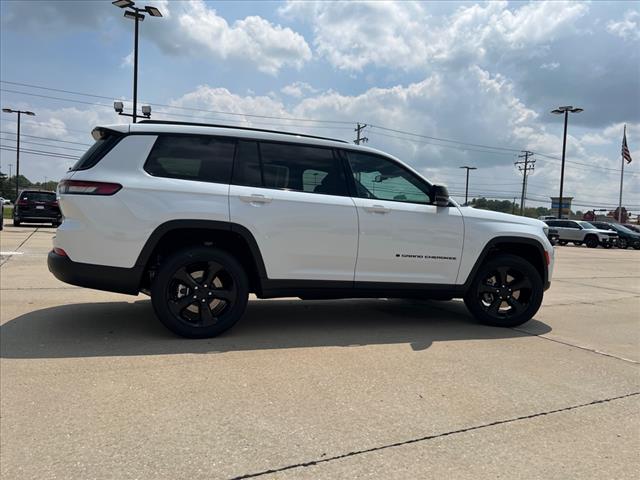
38,197
587,225
620,228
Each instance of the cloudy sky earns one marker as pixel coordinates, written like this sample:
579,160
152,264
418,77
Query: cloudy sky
439,84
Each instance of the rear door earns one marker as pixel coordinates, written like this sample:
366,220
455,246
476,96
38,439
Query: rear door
294,200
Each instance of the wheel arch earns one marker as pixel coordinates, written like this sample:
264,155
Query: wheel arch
527,248
176,234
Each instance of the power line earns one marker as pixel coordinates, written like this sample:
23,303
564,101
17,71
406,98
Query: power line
360,139
39,152
45,138
46,145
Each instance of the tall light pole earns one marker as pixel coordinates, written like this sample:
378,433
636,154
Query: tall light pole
19,112
565,111
137,15
466,190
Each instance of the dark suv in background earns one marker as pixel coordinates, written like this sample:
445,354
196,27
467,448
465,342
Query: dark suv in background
37,206
626,236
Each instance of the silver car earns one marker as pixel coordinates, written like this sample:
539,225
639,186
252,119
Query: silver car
580,232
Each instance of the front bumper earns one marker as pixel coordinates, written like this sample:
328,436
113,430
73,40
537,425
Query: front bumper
98,277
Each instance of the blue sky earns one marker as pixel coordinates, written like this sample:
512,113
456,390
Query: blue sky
479,73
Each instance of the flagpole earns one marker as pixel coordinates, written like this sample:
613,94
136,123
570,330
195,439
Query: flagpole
621,178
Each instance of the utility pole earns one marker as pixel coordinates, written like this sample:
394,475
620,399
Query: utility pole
19,112
513,206
466,190
10,169
525,167
360,139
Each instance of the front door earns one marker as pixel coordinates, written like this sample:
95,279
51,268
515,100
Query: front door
403,237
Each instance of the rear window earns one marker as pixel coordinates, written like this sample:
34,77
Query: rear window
192,157
97,151
38,196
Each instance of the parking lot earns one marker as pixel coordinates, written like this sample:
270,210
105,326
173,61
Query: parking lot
92,386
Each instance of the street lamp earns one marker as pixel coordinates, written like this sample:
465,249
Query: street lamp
19,112
137,15
565,111
466,190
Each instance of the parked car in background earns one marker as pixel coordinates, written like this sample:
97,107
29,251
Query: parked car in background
580,232
626,237
635,228
37,206
1,216
553,236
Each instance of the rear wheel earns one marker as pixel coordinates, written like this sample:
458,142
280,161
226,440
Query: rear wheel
506,292
591,241
577,244
200,292
562,243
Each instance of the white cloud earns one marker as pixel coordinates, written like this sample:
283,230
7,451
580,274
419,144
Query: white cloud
404,35
127,61
198,29
627,28
550,66
298,89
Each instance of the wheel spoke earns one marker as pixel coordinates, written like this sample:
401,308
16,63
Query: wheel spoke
516,305
502,275
211,273
185,278
495,305
226,294
484,288
524,282
206,317
177,306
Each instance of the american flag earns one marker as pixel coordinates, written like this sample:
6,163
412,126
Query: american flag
625,149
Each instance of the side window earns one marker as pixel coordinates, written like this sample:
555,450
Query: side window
553,223
192,157
246,169
379,178
573,225
302,168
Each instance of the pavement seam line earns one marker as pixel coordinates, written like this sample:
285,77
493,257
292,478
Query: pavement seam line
592,350
21,244
431,437
598,287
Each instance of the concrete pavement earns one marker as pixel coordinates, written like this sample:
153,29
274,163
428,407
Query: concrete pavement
92,385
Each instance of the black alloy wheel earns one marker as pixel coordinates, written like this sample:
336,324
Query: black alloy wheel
200,292
506,292
622,243
591,241
562,243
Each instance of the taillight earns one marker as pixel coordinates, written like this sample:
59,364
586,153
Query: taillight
547,257
23,203
59,251
80,187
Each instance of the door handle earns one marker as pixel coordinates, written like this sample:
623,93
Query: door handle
255,198
377,209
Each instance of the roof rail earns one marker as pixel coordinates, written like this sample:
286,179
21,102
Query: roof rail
195,124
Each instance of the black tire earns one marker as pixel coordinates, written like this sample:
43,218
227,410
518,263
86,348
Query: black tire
182,287
562,243
553,240
607,245
16,222
591,241
496,283
577,244
622,243
636,245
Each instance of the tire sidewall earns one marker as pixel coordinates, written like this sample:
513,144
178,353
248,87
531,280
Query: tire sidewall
591,242
190,255
473,303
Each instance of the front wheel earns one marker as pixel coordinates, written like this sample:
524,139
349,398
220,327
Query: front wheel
622,243
591,242
200,292
507,291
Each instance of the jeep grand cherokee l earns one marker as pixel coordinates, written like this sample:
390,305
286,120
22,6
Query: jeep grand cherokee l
199,216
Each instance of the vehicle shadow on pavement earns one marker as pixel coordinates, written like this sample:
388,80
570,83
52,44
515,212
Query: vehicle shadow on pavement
127,329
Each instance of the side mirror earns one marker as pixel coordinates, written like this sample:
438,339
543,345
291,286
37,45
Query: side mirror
440,196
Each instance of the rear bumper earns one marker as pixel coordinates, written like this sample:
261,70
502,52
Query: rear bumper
98,277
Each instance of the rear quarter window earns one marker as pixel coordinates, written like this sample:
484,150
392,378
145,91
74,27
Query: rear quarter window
192,157
97,151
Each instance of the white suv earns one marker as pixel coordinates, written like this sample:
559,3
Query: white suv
199,216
